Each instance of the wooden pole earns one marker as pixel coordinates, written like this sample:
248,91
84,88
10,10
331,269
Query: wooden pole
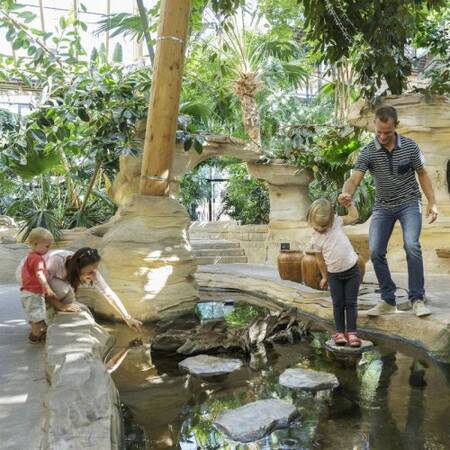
108,14
41,12
159,141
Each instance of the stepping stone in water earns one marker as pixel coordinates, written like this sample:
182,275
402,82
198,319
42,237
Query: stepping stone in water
308,380
255,420
346,349
205,365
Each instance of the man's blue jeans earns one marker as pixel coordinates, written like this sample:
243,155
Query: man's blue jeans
381,226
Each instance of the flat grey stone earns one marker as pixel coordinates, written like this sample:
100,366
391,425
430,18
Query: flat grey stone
308,380
346,349
205,365
255,420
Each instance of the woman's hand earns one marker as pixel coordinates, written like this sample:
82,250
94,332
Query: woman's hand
135,343
134,324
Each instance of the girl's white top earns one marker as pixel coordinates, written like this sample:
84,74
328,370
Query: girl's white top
335,246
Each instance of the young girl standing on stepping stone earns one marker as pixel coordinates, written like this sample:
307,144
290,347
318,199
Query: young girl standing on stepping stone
338,266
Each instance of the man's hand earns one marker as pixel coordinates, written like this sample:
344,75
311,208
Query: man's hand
431,212
345,200
323,283
70,307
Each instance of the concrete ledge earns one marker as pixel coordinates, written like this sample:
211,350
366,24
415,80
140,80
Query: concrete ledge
82,402
431,333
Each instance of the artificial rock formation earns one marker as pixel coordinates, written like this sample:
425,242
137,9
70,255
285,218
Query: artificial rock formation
127,181
289,203
146,259
288,187
265,289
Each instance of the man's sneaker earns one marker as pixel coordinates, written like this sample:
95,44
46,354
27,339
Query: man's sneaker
420,309
381,308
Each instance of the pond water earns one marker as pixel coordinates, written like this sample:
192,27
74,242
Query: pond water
394,397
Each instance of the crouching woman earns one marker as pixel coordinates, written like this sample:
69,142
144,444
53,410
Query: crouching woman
67,271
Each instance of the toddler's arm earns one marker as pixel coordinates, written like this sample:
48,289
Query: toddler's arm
44,283
352,215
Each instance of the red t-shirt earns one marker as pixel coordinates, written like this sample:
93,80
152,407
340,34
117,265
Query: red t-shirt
34,263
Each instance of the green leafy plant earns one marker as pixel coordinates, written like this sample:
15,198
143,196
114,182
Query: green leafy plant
330,151
243,314
373,35
246,198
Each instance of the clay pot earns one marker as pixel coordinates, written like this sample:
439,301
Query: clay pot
310,270
362,268
290,265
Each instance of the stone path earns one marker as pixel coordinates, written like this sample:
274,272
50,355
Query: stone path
23,386
255,420
346,349
206,365
308,380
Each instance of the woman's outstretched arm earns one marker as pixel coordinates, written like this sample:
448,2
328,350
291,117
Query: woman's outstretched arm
114,300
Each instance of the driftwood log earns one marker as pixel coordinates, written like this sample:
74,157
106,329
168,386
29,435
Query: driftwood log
214,337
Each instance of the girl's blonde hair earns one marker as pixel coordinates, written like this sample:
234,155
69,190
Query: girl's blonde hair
39,234
320,213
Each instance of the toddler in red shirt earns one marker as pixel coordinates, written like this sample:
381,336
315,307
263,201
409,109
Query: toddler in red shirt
34,283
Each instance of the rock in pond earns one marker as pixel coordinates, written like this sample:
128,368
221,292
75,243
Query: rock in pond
346,349
308,380
205,365
255,420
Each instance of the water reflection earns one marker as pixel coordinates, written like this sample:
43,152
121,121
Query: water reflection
387,400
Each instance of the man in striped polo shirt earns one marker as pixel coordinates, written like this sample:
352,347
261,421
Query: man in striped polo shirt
393,161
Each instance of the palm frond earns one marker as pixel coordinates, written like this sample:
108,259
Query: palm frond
295,74
196,109
283,50
122,23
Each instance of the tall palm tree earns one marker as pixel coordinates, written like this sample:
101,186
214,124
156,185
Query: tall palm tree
252,58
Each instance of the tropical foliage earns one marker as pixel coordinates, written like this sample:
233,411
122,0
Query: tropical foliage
373,35
246,67
246,199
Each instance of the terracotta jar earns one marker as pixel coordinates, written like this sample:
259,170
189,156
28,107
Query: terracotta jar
290,265
310,270
362,268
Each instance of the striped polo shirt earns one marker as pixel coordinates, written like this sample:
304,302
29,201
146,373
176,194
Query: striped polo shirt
394,172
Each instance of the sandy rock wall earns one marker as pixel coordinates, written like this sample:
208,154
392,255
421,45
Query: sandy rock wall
147,260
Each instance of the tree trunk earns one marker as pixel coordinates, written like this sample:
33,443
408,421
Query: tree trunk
159,144
98,164
138,48
73,197
148,39
251,118
246,88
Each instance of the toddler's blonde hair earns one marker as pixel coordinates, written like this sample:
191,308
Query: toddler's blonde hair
39,234
320,213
